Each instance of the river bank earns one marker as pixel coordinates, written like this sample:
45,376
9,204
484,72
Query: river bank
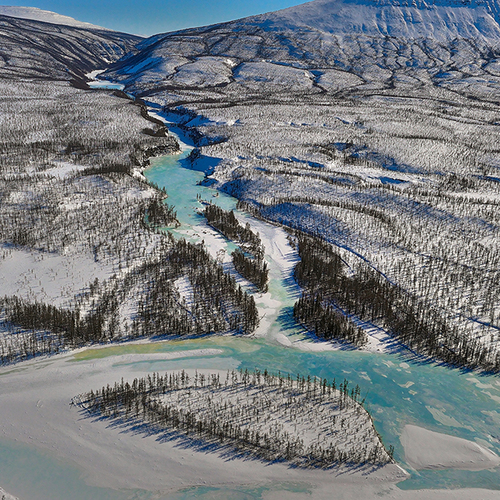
37,411
86,454
102,454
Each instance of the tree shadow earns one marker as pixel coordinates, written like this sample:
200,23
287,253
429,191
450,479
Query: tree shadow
201,163
226,449
291,286
290,325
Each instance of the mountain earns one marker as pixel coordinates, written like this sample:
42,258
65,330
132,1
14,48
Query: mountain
373,124
45,16
339,44
443,20
36,49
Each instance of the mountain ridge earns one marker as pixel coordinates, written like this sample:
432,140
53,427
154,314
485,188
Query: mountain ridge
37,49
445,44
360,17
396,18
46,16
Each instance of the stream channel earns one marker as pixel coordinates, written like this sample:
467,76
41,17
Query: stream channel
399,389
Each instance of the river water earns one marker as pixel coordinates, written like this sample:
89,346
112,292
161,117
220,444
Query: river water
399,389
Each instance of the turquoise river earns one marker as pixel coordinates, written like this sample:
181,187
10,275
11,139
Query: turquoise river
399,389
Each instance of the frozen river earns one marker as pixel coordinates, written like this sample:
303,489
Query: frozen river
399,389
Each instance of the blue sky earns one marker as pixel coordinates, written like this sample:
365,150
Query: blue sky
148,17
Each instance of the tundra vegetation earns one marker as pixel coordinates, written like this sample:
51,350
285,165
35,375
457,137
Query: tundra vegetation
306,422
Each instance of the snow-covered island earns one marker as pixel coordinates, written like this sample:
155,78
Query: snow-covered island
306,422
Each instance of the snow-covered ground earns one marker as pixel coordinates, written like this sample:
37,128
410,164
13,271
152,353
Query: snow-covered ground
425,449
333,45
102,451
46,16
6,496
361,131
393,18
401,197
35,409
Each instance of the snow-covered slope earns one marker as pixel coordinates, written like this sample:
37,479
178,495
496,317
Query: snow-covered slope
34,49
305,108
387,42
439,19
45,16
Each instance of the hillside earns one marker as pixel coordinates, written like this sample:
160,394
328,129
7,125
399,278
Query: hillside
380,137
443,20
73,196
329,46
36,49
45,16
358,144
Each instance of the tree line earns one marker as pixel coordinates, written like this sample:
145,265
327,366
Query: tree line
226,222
251,265
159,213
245,412
47,329
254,270
371,297
317,273
216,303
326,321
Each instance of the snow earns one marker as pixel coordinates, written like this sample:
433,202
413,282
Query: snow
258,73
332,79
104,452
425,449
46,16
205,71
128,359
344,43
185,289
93,74
404,152
35,409
440,20
47,277
6,496
63,169
317,418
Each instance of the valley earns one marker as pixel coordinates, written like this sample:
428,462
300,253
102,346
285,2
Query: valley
363,161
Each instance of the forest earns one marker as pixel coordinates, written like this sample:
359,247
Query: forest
226,222
160,214
365,293
82,256
253,269
216,302
217,305
249,263
306,422
401,179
